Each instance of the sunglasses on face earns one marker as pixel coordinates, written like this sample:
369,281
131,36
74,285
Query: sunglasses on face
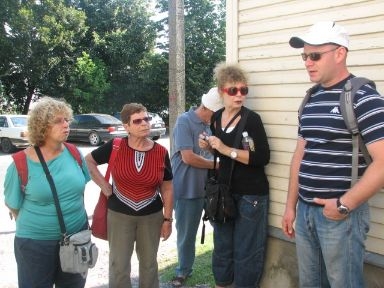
315,56
138,121
232,91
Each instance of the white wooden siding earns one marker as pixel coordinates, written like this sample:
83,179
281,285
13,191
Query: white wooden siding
258,32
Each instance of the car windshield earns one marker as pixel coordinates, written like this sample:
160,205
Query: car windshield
19,121
107,119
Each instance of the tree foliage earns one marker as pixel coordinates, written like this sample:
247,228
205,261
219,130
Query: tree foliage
89,84
101,54
41,39
204,44
123,37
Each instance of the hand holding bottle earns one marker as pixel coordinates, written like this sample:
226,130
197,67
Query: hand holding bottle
247,142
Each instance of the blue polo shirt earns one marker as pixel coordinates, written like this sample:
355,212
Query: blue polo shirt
188,181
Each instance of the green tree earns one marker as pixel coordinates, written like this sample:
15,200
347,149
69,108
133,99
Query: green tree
123,37
204,44
89,84
43,37
153,76
42,44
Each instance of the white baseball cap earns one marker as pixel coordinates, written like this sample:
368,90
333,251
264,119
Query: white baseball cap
212,100
321,33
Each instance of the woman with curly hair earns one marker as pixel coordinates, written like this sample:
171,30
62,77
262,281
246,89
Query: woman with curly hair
239,245
38,232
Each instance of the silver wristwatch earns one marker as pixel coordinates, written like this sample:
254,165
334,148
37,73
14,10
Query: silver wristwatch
342,208
233,154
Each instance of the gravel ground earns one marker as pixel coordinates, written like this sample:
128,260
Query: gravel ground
97,276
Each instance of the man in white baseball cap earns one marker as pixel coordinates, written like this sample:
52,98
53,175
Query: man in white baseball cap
212,100
330,211
190,166
325,32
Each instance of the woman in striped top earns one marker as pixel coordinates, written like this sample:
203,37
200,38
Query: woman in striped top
140,199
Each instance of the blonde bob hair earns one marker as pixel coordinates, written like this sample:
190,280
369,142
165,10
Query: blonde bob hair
42,117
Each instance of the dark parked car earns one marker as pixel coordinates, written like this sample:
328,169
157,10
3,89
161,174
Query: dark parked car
13,132
157,125
95,128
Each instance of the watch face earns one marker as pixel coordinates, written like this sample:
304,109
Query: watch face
233,154
343,210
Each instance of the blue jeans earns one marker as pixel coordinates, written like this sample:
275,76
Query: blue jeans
331,253
188,213
240,246
38,265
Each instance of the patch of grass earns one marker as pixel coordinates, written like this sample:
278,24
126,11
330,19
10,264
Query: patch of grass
202,269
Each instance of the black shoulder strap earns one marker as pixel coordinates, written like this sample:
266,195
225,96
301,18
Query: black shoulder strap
348,112
54,192
244,115
20,160
215,116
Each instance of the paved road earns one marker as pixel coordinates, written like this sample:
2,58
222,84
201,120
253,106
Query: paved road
98,276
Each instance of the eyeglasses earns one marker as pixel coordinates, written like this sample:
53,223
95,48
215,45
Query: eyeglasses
232,91
138,121
61,120
315,56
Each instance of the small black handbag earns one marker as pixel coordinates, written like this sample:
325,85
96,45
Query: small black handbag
220,207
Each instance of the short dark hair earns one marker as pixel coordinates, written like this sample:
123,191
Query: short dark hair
129,109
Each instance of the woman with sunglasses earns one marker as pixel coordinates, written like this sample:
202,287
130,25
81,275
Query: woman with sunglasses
140,199
239,245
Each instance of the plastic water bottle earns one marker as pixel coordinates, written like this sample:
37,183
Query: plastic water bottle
247,142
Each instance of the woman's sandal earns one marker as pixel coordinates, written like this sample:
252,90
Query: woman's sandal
178,281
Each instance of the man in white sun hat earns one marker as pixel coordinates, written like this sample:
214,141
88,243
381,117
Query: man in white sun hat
332,215
189,167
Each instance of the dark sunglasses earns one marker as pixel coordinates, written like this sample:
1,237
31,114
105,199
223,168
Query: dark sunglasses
315,56
138,121
232,91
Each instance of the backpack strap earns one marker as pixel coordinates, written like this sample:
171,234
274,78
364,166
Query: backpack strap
20,160
75,152
348,112
115,148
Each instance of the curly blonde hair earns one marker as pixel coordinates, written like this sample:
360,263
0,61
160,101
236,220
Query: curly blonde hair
228,73
42,116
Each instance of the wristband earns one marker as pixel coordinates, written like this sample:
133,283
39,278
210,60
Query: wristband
168,219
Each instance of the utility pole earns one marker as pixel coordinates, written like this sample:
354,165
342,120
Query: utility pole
176,63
